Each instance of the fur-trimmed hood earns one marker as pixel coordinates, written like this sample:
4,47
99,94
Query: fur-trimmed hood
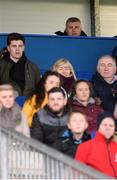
10,118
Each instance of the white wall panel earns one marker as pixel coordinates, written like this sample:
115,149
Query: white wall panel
108,17
42,17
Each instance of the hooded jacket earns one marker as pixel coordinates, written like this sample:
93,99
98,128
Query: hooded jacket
31,73
67,144
91,111
13,118
47,125
99,154
105,91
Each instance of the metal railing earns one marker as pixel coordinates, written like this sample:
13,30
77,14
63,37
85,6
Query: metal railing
25,158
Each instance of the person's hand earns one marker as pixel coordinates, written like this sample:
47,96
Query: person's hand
97,101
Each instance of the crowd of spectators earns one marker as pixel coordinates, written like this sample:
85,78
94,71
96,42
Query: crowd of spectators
58,109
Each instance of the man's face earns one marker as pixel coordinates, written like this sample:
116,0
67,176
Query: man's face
7,98
73,28
107,127
16,49
77,123
106,67
56,102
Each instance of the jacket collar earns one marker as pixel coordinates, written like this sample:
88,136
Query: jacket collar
49,111
100,137
90,101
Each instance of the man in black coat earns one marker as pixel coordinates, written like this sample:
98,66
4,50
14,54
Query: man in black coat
15,68
52,119
73,28
105,82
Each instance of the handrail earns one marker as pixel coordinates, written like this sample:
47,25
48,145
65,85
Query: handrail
28,158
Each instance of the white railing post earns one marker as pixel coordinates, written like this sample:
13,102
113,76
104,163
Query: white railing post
3,156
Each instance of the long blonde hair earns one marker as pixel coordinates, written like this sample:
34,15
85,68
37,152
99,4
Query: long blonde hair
61,62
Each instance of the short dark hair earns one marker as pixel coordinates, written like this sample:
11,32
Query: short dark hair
72,19
74,112
57,89
15,36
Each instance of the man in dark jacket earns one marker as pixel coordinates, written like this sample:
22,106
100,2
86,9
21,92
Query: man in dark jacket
73,28
105,82
52,119
15,68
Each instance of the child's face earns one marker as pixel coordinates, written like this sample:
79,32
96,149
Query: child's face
77,123
64,70
7,98
82,91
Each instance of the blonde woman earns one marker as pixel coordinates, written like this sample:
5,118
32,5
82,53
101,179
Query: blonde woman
66,71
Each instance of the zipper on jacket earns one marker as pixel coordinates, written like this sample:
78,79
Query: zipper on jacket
110,160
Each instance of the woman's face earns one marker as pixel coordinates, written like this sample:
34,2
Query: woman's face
7,98
64,70
107,127
82,91
51,82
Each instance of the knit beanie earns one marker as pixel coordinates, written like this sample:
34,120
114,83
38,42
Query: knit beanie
102,116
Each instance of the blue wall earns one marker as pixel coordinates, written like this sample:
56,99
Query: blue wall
83,52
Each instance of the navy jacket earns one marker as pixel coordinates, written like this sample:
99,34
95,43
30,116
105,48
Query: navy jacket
106,92
67,144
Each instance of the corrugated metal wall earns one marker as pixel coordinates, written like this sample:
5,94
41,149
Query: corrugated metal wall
46,17
40,16
108,17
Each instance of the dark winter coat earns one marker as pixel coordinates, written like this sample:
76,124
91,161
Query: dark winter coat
67,144
91,111
60,33
105,91
32,75
46,125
